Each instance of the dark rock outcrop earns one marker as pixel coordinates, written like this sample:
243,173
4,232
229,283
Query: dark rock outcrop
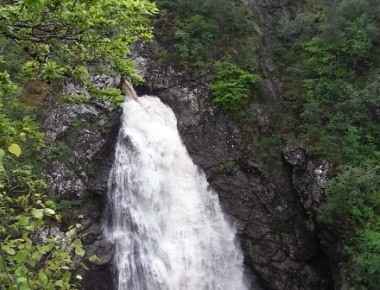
309,178
77,170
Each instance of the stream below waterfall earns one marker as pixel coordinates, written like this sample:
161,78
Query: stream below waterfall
167,225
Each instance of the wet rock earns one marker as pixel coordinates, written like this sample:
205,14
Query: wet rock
261,116
74,89
100,252
62,117
104,81
295,156
50,232
64,182
309,178
98,278
83,137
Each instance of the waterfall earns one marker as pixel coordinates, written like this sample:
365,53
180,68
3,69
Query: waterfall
167,225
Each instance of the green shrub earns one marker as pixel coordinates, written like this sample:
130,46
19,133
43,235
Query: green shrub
75,99
195,38
232,86
327,52
81,74
353,207
354,196
204,31
61,35
366,260
335,110
111,95
28,261
49,40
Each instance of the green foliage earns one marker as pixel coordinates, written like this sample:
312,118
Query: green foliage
333,67
54,37
366,268
353,206
52,71
16,125
211,37
75,99
197,33
30,70
354,196
355,26
194,38
111,95
50,40
29,259
15,149
126,68
335,109
232,86
81,74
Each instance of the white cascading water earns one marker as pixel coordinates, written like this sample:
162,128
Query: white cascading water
167,225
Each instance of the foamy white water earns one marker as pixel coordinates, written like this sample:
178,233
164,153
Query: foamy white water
167,224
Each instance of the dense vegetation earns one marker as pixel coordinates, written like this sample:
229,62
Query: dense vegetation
232,86
335,87
211,37
197,33
45,41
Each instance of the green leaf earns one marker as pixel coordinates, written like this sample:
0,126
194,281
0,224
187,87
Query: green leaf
23,221
49,211
2,154
22,283
79,251
8,250
43,278
36,256
53,71
94,259
59,283
78,248
15,149
38,213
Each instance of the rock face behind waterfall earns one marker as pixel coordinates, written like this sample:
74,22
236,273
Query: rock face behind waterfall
84,135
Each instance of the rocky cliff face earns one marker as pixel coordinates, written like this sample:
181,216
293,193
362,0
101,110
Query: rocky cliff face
84,136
